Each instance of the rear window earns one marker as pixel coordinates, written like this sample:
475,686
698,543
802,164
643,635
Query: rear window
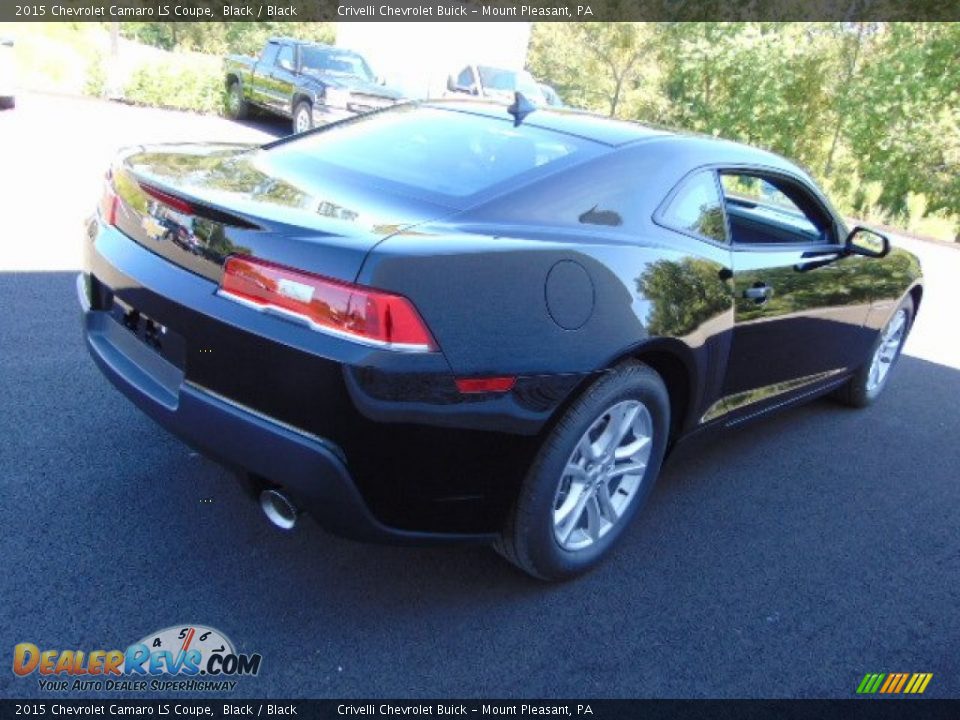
437,151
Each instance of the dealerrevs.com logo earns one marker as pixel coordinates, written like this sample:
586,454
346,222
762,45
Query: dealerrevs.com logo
184,657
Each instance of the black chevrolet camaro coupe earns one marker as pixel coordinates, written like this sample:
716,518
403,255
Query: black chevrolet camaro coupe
452,322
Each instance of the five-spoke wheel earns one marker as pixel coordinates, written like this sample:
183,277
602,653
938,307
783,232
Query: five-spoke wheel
591,475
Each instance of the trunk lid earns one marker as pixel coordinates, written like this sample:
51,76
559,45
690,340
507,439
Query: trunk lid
196,205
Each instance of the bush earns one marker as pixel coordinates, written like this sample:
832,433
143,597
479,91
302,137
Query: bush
187,82
55,57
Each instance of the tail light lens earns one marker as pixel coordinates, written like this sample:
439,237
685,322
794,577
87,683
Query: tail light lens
352,311
181,206
109,201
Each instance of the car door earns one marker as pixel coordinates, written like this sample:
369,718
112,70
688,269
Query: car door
284,79
800,303
260,80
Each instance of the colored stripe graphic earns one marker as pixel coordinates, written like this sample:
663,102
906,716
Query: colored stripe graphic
894,683
903,680
870,683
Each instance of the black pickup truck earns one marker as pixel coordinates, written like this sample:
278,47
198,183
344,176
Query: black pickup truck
310,83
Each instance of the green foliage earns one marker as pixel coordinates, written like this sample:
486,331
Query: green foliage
54,56
221,38
872,110
178,82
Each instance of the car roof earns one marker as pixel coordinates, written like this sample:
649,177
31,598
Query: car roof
571,122
688,148
312,43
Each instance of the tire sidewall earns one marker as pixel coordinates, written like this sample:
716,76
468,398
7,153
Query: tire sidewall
235,100
536,539
864,376
301,107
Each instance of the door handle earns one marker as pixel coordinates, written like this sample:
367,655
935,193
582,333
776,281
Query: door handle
759,293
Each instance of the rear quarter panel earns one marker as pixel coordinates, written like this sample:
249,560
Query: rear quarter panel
491,301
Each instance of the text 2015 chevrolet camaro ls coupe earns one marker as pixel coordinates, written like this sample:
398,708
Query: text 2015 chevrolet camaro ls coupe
444,321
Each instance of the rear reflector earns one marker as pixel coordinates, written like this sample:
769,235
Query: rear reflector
357,313
485,385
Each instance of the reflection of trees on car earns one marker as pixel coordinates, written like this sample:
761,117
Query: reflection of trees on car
683,294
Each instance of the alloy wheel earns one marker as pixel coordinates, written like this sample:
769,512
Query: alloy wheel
603,475
886,353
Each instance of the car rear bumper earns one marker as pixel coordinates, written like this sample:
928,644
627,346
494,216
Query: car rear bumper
313,469
376,445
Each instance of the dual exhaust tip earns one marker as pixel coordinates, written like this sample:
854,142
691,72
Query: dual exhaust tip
279,509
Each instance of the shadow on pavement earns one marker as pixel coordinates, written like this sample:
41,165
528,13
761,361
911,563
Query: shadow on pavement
270,124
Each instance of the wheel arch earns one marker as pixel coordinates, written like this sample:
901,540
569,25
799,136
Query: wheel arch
298,97
671,360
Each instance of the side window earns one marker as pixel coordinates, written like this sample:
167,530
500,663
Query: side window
696,208
766,209
285,58
465,79
269,54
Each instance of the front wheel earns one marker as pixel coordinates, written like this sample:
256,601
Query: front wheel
302,117
592,475
237,106
869,381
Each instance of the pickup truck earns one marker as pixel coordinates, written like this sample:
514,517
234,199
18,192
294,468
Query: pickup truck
310,83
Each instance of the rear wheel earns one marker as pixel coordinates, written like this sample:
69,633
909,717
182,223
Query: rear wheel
592,475
869,381
302,117
237,106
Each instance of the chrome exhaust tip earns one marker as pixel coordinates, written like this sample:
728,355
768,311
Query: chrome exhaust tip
279,508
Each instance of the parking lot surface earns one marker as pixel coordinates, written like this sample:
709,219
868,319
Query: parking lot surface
786,559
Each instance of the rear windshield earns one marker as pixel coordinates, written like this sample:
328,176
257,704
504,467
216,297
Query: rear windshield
438,151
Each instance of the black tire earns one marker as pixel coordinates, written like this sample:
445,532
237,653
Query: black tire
237,107
859,392
303,106
528,539
8,103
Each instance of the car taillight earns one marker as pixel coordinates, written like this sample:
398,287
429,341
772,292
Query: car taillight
352,311
109,201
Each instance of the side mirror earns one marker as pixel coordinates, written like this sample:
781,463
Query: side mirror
286,65
867,242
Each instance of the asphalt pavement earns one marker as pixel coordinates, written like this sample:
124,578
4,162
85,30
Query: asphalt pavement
786,559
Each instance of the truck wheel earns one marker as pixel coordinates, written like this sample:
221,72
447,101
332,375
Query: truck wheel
8,103
591,476
237,107
302,117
